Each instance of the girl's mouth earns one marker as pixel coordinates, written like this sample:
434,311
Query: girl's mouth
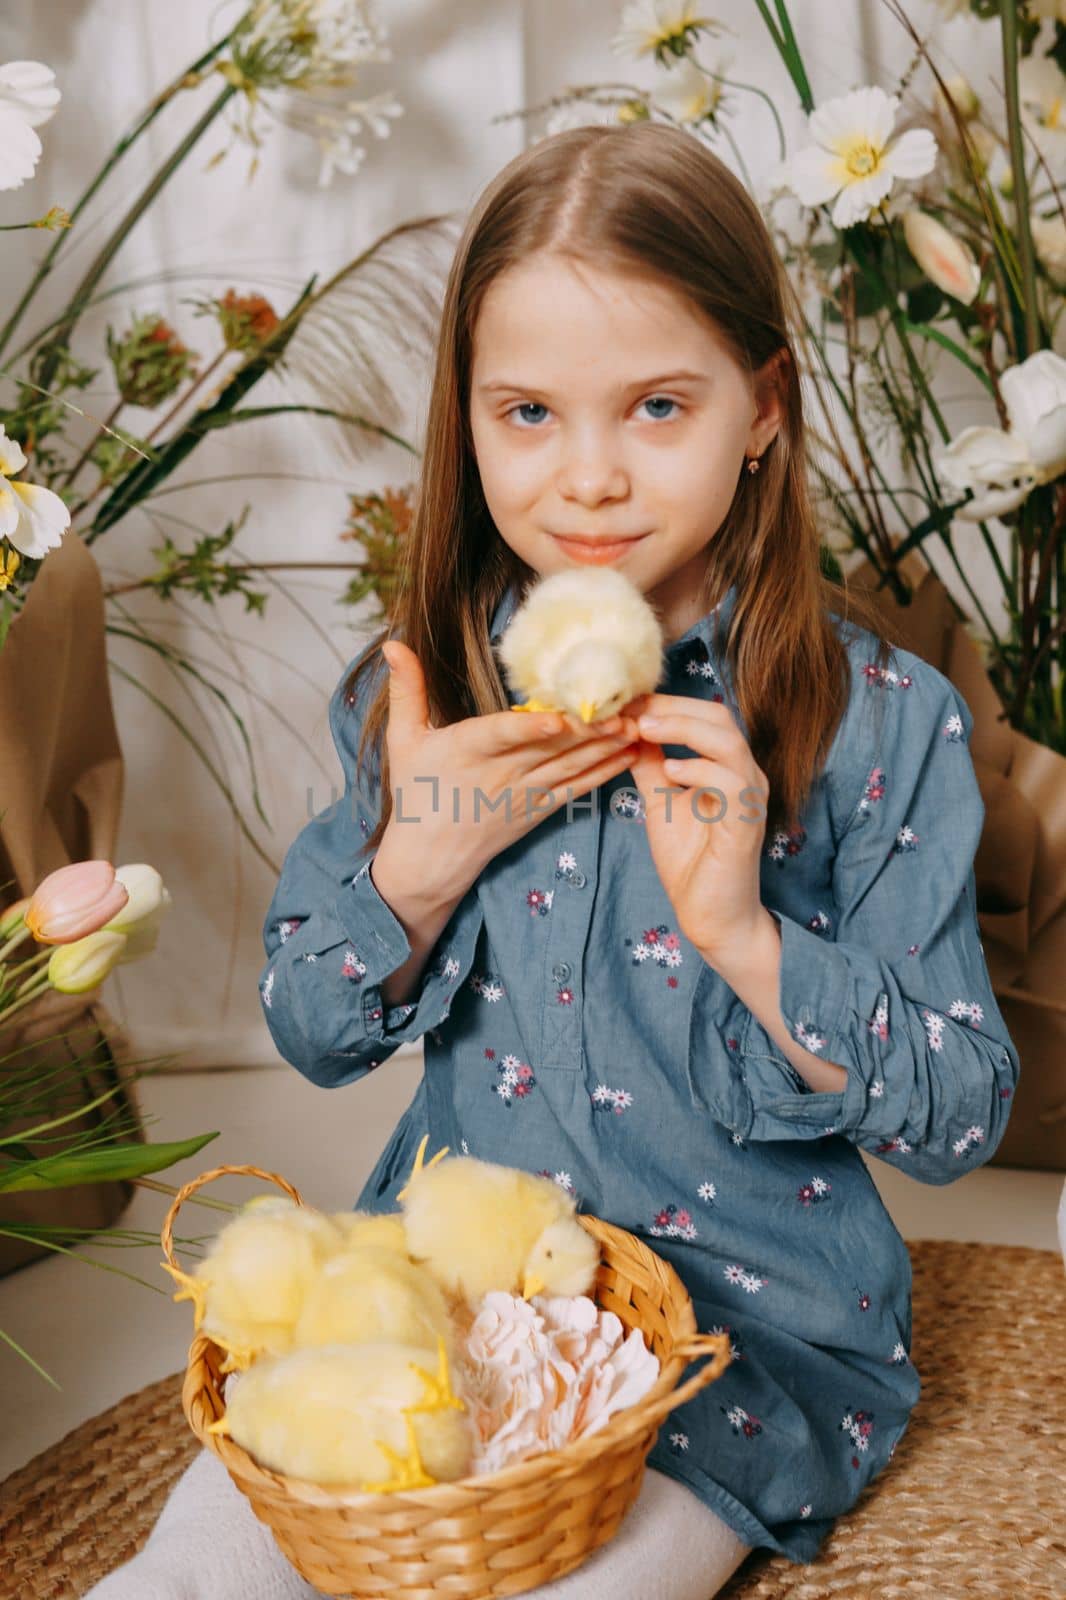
597,552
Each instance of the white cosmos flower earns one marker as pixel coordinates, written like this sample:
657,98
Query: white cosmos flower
1042,88
687,94
661,27
34,520
28,97
854,158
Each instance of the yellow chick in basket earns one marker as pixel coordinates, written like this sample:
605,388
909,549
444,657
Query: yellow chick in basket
584,641
367,1294
250,1288
379,1417
383,1229
479,1226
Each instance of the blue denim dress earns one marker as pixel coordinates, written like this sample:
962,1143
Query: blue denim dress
572,1029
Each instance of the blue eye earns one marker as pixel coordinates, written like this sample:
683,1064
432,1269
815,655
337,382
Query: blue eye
660,400
527,405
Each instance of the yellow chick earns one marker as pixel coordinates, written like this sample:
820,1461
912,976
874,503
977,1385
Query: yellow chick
249,1290
379,1417
479,1226
584,641
368,1294
385,1229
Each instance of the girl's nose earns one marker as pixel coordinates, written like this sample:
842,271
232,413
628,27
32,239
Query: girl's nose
592,475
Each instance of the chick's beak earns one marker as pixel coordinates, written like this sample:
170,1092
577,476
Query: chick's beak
532,1285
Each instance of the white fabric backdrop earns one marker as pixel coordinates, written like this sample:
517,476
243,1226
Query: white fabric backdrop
456,66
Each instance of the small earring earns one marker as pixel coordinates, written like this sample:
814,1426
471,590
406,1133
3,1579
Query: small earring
753,465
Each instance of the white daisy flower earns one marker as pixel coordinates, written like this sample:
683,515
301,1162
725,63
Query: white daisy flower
854,159
733,1274
661,28
687,94
707,1191
28,97
33,519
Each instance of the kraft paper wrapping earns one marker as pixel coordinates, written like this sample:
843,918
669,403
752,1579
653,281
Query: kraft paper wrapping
61,778
1020,871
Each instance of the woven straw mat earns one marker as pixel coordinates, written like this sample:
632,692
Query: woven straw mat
972,1505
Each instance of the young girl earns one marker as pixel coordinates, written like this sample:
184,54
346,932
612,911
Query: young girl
690,991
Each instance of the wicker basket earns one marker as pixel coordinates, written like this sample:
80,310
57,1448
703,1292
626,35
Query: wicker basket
498,1534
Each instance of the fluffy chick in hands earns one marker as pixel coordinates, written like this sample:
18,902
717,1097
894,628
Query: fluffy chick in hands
478,1226
585,642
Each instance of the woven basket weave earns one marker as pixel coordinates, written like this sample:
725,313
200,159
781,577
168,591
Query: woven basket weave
478,1537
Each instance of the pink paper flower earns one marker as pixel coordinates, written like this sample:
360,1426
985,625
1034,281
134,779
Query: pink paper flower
539,1373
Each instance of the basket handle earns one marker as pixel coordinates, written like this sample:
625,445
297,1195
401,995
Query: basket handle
717,1346
166,1237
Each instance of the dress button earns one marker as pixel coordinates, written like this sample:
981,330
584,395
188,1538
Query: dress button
561,970
578,879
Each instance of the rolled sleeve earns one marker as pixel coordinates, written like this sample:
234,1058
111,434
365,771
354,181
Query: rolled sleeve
899,995
332,940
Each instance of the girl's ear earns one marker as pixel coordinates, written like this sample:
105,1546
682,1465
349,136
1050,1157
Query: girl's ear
769,387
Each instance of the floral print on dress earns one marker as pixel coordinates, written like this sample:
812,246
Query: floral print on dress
878,1023
266,988
899,1357
906,839
707,1192
288,926
859,1426
806,1510
563,1179
660,945
913,949
934,1029
606,1099
566,866
874,790
748,1281
679,1442
864,1300
673,1222
742,1422
808,1037
821,922
694,660
969,1141
488,986
885,677
514,1078
736,1343
810,1194
896,1144
353,967
953,730
539,901
966,1011
785,843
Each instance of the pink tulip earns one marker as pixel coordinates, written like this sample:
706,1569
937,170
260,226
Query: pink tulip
74,901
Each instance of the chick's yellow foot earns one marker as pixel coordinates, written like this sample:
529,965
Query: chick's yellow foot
410,1473
534,705
418,1166
194,1289
238,1357
439,1395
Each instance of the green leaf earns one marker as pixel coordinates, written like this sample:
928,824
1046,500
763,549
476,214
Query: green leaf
95,1166
829,565
924,302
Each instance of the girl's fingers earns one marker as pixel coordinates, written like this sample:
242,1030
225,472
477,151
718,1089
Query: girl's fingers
711,739
720,782
568,764
514,730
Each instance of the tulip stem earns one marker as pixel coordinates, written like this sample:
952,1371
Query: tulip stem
1026,257
14,941
31,977
24,1000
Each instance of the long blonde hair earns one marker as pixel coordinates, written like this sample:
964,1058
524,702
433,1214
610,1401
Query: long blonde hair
643,198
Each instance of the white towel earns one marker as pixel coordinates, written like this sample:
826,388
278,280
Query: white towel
208,1544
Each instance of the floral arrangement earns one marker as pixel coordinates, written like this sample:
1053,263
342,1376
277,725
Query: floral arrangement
291,66
925,235
89,918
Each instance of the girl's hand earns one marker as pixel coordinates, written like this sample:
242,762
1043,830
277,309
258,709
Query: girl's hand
706,848
433,844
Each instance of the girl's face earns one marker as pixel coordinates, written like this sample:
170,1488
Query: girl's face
607,407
